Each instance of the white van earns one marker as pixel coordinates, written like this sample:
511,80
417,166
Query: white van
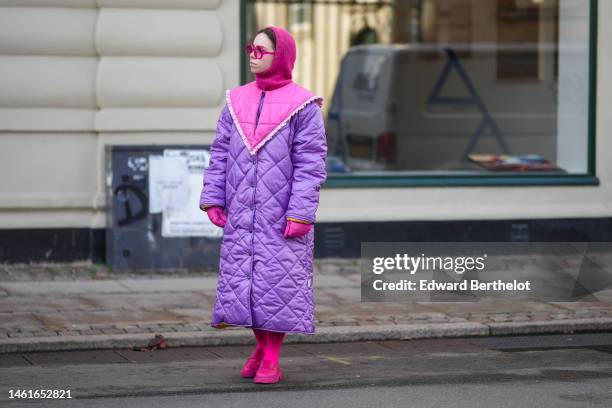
426,107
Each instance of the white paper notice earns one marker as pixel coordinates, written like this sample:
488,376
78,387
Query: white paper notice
175,184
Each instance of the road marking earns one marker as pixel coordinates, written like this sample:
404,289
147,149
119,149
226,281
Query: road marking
337,359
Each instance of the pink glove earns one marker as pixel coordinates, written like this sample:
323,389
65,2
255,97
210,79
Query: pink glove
296,229
216,215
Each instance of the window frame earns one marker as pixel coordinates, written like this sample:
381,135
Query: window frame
348,180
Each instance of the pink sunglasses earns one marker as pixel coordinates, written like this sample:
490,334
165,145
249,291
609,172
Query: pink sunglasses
259,51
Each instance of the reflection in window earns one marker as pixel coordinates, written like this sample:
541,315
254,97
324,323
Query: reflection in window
520,23
477,93
300,16
447,22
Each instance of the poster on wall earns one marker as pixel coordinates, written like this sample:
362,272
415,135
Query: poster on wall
175,184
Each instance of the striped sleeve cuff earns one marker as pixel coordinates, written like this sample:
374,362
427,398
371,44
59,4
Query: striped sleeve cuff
296,220
204,207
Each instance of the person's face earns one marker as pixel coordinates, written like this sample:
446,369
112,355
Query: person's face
260,65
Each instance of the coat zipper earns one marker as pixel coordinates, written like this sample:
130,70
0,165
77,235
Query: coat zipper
261,99
252,252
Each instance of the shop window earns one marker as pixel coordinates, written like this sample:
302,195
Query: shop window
507,94
452,91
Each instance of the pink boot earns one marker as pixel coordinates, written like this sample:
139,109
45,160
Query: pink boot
250,367
252,364
268,373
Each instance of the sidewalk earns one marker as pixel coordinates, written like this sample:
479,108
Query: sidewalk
84,306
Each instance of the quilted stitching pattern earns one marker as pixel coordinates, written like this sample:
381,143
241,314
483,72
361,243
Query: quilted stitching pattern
265,280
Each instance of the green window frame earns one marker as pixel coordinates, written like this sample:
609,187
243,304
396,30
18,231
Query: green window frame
338,180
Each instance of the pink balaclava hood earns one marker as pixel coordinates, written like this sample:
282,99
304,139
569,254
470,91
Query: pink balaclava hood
279,73
258,122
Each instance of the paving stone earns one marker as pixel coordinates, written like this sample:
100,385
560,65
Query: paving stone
125,326
90,332
20,320
484,305
68,333
44,333
63,287
144,305
169,285
112,331
69,318
193,314
20,334
192,327
137,330
330,281
76,326
457,319
144,301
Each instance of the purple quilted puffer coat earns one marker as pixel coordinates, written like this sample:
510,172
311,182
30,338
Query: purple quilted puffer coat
265,280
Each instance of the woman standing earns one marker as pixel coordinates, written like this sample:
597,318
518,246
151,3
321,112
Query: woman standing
262,186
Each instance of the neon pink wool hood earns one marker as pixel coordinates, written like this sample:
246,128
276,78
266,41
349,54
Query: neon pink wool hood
282,98
279,73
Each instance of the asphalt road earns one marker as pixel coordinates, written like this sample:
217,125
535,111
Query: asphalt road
524,371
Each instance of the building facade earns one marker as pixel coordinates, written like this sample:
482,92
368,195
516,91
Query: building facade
79,75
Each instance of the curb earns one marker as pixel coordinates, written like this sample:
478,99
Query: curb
323,335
